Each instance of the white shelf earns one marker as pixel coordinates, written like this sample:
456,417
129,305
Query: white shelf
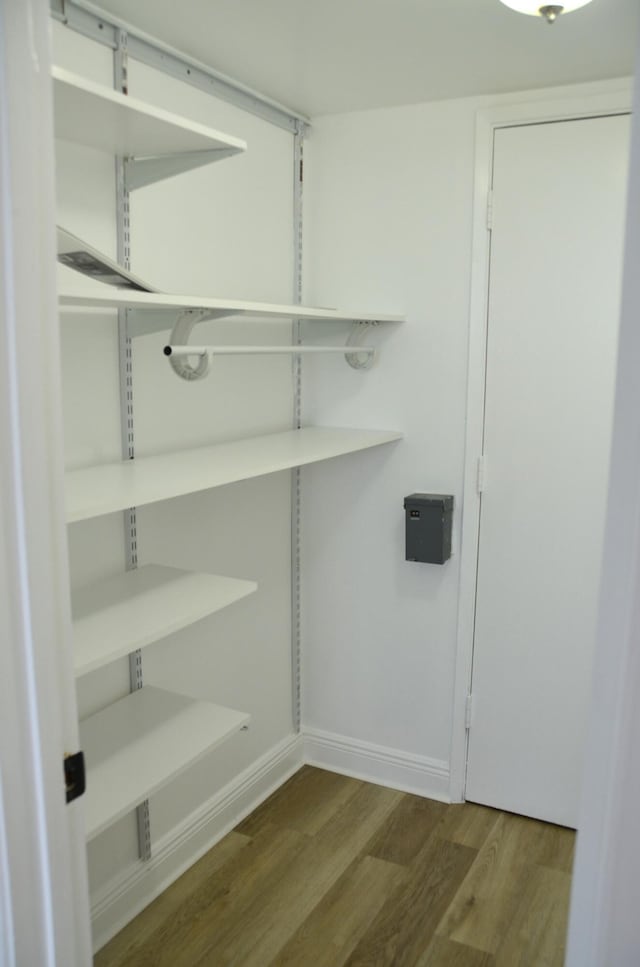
139,743
165,308
115,617
90,114
111,487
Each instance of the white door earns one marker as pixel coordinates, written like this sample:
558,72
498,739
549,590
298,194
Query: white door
554,300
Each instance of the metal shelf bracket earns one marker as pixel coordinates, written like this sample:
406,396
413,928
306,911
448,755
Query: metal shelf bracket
139,172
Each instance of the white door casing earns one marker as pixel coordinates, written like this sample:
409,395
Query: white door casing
558,210
604,927
44,915
609,98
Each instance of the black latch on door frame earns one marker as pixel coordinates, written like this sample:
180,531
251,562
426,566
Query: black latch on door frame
74,775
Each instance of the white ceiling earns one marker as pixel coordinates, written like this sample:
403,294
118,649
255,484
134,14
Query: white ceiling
326,56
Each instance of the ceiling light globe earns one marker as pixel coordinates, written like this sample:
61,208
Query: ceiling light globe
533,7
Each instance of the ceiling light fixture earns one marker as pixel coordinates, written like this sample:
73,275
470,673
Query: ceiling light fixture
550,11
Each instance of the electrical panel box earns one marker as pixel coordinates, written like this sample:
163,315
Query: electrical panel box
428,519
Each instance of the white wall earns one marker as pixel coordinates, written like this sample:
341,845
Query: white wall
388,224
388,208
224,229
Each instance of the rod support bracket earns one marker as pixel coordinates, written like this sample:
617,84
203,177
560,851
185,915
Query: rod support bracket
180,333
359,332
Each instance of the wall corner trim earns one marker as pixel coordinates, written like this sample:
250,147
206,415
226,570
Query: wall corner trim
380,764
128,893
137,885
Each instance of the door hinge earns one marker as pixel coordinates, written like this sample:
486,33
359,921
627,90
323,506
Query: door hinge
468,711
490,210
74,775
481,474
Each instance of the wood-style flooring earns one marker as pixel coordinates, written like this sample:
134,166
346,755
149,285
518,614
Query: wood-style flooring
331,871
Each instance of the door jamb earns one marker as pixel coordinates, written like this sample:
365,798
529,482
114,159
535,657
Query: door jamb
44,894
604,99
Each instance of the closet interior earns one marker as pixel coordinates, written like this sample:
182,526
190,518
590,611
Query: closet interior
184,439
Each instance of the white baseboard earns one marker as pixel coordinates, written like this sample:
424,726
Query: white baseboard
377,763
137,885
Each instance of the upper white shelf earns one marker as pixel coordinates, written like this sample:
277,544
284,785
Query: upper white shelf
129,611
111,487
165,307
135,746
95,116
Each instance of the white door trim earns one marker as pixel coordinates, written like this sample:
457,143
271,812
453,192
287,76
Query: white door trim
44,917
611,98
603,925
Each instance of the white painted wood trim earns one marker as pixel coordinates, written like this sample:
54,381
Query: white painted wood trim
604,927
377,763
43,879
135,887
615,98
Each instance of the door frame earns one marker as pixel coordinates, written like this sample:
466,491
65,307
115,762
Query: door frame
44,900
594,100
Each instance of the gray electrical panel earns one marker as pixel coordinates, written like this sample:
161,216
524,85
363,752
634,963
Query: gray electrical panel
428,519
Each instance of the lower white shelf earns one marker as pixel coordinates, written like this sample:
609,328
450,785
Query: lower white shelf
114,617
111,487
135,746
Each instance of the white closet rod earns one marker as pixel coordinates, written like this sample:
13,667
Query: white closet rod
263,350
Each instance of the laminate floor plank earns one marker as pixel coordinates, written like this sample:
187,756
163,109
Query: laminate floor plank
555,846
173,906
407,829
255,933
536,937
184,939
486,902
336,872
407,922
447,953
332,930
468,824
237,908
305,802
